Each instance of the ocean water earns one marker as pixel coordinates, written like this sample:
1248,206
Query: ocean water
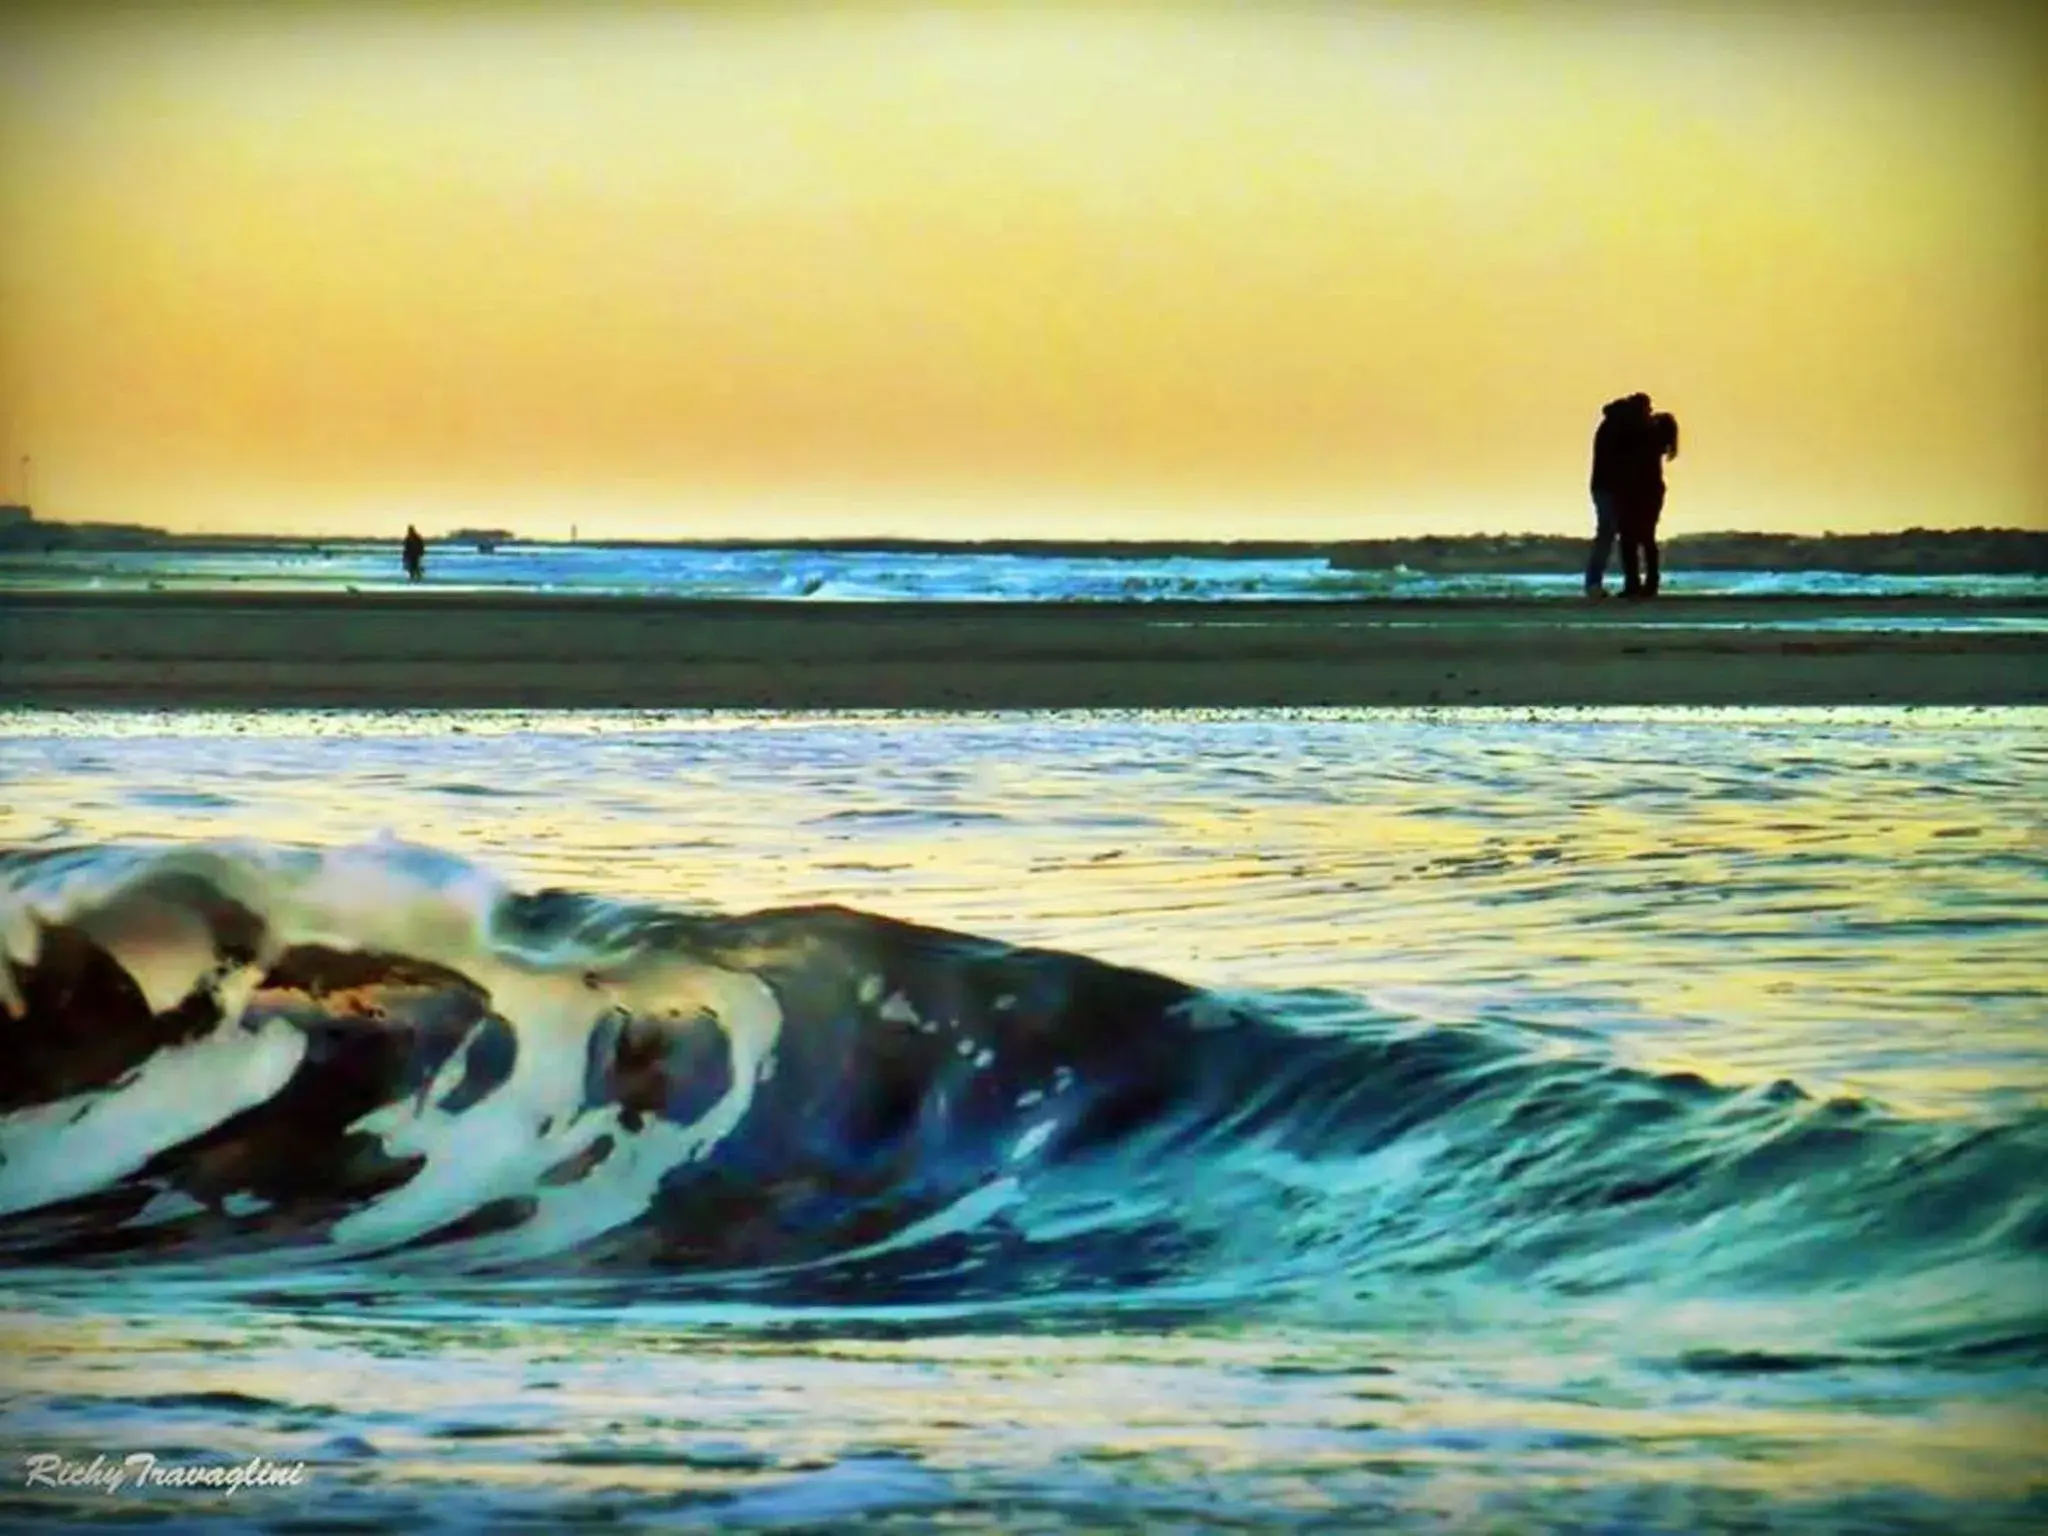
1326,1121
844,575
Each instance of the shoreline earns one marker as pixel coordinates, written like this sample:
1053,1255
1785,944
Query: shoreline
1976,551
492,649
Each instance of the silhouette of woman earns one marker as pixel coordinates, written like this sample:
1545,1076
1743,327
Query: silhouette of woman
1643,503
415,554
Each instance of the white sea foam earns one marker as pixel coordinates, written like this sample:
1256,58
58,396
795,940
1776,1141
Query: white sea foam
56,1151
390,897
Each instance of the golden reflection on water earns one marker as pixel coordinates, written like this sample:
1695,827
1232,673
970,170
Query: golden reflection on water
1292,1422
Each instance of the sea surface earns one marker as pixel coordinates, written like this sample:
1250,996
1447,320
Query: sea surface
825,575
1622,1120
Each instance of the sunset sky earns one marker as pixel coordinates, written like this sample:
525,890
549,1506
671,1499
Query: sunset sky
1201,270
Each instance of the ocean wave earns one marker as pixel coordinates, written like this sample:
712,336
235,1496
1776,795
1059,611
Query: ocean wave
247,1059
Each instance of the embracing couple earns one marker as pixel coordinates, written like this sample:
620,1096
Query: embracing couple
1629,450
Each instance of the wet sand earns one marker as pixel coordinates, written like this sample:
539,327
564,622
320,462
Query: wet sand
439,649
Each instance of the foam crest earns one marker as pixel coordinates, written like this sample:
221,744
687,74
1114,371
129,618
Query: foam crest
54,1152
207,921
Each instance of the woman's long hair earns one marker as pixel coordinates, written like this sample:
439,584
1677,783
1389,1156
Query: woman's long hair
1664,434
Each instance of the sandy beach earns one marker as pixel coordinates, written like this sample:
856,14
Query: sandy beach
437,649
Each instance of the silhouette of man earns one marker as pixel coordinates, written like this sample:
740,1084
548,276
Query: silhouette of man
415,554
1617,452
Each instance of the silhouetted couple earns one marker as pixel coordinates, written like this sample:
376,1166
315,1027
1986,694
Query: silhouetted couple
1629,450
415,554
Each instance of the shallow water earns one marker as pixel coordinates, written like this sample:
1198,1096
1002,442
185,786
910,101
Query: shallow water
825,575
1631,1119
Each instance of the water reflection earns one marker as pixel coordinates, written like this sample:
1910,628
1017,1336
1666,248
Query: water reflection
1851,899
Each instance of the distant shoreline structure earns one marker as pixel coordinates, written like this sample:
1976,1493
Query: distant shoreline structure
1912,551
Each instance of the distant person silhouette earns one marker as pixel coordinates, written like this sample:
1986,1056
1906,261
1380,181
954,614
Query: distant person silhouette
415,554
1629,449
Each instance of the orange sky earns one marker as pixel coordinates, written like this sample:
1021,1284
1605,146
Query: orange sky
1169,270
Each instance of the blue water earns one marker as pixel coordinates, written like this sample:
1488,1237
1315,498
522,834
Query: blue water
824,576
1334,1120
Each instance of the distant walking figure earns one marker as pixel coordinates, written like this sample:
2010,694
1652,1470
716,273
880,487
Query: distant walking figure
415,554
1629,449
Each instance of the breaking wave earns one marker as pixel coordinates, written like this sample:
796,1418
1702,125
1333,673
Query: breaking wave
247,1059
